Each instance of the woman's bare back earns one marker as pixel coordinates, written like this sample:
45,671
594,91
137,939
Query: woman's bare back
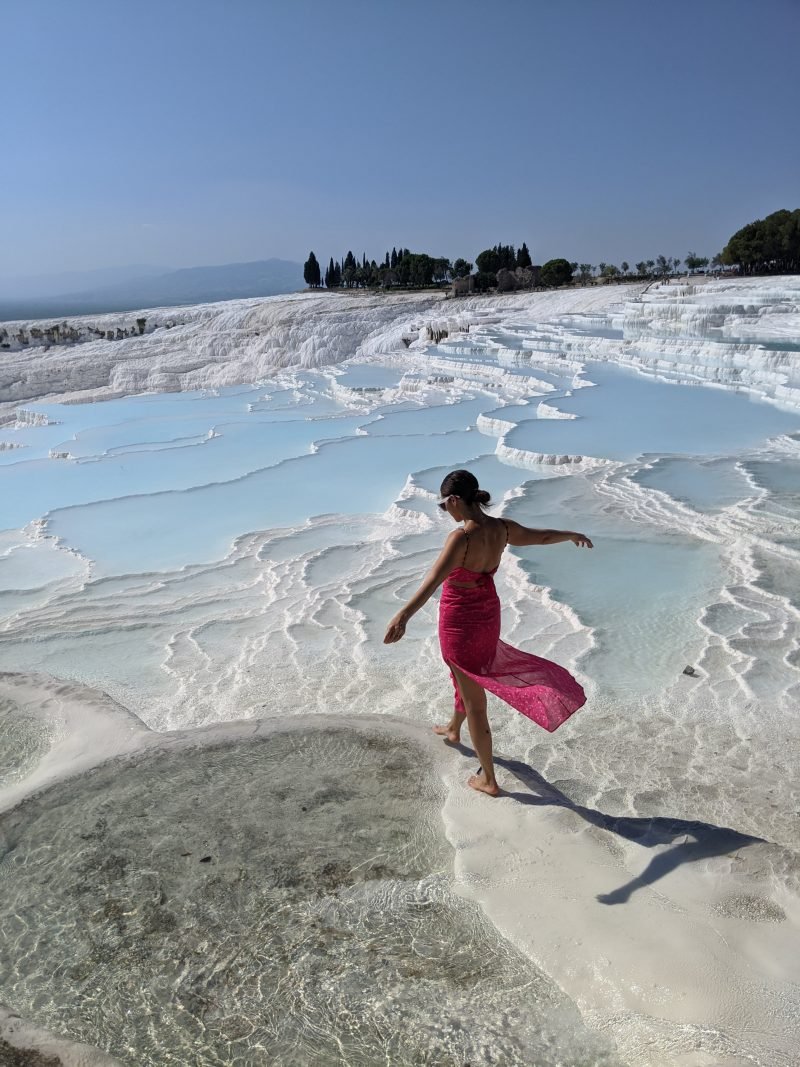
484,546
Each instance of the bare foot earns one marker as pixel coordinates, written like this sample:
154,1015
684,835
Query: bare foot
478,781
450,733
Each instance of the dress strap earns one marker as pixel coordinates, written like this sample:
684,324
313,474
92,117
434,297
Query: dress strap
466,547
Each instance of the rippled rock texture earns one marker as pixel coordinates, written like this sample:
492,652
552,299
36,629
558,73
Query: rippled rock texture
279,900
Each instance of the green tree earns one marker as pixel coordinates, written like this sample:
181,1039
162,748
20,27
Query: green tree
641,268
349,269
694,262
524,256
625,267
766,246
487,261
461,268
485,280
442,270
586,270
311,271
415,269
491,260
556,272
508,256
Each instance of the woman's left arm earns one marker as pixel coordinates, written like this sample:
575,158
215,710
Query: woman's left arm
448,560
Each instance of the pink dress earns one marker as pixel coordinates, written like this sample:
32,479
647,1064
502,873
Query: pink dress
469,637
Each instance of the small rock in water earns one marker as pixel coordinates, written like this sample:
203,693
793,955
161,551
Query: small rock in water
205,859
690,671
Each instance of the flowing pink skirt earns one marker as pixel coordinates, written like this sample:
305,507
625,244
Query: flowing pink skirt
469,636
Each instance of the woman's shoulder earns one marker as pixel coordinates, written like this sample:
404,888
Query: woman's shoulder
455,546
456,537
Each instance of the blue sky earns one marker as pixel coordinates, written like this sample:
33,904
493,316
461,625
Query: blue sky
185,132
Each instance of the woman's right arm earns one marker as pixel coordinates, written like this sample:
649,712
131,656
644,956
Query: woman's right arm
448,559
525,535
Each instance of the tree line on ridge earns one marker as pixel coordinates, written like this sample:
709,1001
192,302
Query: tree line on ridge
766,246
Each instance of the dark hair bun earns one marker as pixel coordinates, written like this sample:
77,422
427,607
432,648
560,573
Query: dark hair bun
464,484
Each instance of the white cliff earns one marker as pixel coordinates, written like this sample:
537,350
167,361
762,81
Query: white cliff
740,333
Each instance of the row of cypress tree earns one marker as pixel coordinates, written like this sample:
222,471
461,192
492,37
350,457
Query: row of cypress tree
766,246
398,267
403,267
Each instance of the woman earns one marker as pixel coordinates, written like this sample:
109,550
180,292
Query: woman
469,626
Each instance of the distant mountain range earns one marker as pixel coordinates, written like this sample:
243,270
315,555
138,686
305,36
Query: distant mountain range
191,285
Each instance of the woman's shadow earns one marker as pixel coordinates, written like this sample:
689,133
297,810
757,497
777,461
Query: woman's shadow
700,840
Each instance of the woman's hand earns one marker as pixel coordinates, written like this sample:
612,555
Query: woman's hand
395,629
581,540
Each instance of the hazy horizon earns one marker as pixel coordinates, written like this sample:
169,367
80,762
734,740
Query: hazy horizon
33,286
197,135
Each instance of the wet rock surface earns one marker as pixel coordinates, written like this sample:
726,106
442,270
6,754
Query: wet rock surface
318,937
